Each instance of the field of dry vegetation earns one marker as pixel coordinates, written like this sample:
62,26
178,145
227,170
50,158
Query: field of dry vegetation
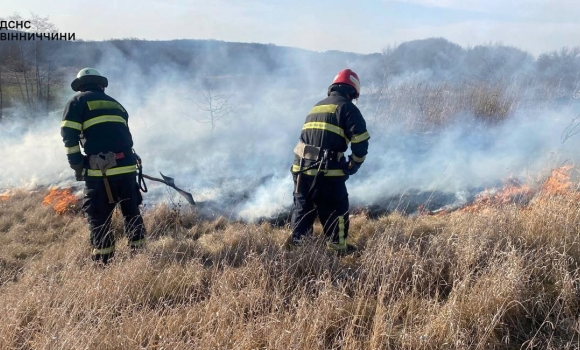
500,273
496,275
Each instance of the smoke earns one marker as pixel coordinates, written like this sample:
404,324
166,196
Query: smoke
32,154
240,167
466,157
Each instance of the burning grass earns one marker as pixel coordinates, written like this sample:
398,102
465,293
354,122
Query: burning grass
61,200
502,278
557,184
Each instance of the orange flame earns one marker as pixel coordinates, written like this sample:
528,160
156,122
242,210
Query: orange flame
62,200
5,196
558,183
512,192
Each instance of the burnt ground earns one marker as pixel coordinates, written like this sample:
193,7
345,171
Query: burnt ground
411,202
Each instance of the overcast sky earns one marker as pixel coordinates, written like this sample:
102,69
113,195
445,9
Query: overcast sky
362,26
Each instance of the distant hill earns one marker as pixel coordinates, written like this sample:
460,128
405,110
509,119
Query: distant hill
45,65
208,57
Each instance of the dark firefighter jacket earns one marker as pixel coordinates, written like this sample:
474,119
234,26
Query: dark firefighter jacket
332,124
102,122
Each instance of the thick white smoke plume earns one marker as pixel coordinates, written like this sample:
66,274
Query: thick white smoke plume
241,168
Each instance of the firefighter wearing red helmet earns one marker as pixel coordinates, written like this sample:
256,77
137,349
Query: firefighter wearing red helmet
321,168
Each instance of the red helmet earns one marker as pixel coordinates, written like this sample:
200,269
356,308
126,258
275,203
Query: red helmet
346,76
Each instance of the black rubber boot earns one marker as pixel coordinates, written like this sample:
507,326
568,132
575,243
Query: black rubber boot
293,242
103,259
137,246
341,249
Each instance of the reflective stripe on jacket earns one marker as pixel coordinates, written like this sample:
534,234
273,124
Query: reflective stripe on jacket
103,124
333,124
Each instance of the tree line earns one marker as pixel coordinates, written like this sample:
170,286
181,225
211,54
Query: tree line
428,84
30,76
421,73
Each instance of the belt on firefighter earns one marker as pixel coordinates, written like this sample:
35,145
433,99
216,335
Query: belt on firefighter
118,156
103,162
320,158
311,152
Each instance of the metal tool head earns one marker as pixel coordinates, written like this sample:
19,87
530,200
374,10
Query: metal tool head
171,182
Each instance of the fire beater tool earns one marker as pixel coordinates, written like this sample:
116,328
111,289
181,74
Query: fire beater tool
169,181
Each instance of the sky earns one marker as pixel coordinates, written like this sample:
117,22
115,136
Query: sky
364,26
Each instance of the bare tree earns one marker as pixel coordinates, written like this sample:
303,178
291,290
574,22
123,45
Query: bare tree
383,74
217,106
1,89
28,67
42,75
560,71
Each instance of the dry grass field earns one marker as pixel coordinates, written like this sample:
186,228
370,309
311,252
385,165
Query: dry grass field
494,275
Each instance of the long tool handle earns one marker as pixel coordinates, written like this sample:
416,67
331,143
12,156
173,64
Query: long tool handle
108,190
155,179
299,176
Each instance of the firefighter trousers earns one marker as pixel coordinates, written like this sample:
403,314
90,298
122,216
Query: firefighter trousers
99,212
328,201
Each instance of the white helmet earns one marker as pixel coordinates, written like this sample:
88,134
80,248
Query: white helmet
88,76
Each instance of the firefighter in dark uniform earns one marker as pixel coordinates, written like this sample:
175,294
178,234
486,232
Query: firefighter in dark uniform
98,123
320,167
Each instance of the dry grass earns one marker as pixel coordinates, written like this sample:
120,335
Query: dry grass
505,277
424,107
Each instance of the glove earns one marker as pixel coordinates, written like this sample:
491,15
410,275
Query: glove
79,169
351,167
